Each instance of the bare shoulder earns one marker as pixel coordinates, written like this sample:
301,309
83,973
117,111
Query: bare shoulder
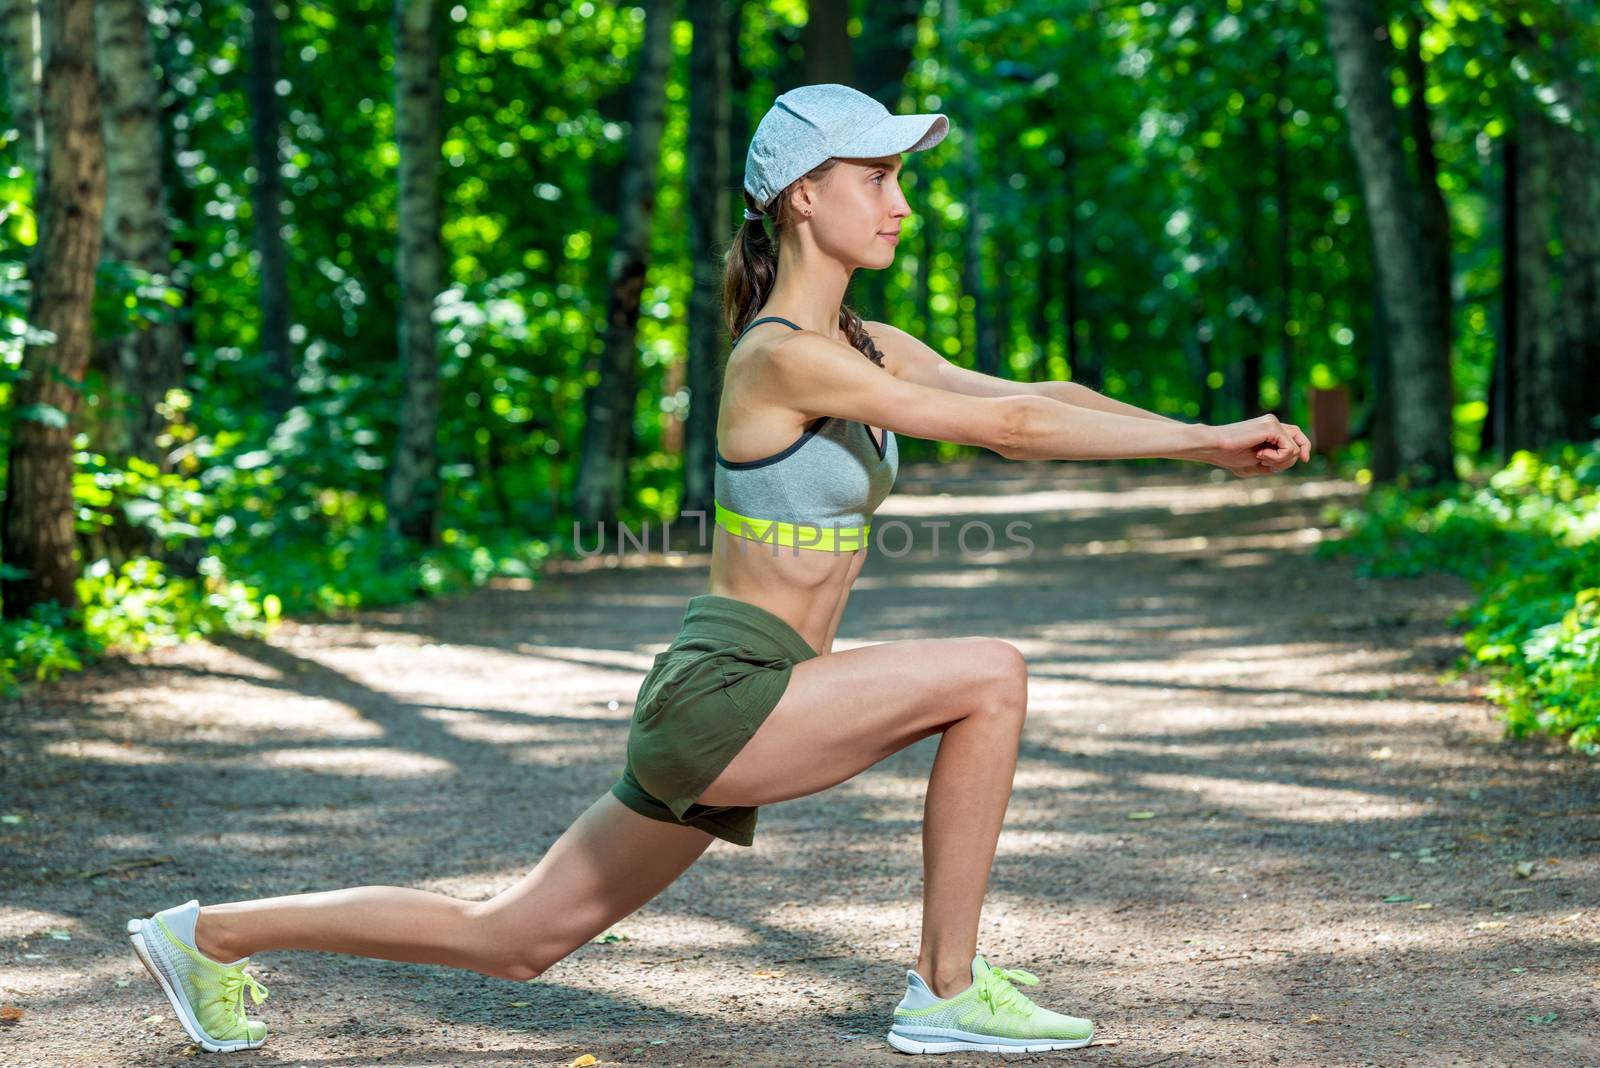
903,354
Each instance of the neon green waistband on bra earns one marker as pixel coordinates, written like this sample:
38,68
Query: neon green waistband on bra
793,535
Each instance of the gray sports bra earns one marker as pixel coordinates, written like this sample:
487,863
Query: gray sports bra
819,493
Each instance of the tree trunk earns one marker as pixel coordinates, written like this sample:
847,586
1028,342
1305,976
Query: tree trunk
1252,279
38,509
1536,412
1383,458
710,209
143,364
883,57
973,238
413,490
19,38
1580,281
1435,218
1497,424
1418,355
266,202
739,88
825,42
1283,185
610,401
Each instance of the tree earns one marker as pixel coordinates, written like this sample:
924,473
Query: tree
1419,357
709,207
39,531
142,364
413,488
267,203
610,400
19,38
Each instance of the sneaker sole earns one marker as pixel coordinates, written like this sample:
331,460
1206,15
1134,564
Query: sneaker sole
180,1003
979,1044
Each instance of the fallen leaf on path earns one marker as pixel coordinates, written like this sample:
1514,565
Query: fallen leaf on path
10,1014
1570,919
1381,754
1423,905
1104,1042
517,1005
1525,869
1313,1018
124,982
769,975
1141,815
1489,925
583,1061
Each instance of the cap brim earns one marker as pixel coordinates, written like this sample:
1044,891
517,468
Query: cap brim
896,133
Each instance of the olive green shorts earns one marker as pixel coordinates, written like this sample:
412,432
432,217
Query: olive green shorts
702,700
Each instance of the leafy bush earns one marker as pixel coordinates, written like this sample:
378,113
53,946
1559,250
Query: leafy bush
1528,536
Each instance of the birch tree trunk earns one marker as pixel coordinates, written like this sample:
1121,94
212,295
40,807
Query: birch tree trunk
141,365
413,489
38,511
19,40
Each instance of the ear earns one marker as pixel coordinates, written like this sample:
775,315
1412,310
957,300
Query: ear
804,200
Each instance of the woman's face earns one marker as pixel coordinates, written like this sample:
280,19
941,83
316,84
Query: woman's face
858,208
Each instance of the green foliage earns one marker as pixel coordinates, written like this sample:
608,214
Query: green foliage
43,646
1528,536
142,604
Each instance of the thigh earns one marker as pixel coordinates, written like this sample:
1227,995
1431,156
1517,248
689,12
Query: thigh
604,867
843,712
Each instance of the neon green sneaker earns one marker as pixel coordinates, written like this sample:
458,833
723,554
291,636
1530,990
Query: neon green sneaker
207,995
990,1016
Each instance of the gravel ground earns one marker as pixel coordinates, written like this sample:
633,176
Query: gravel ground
1342,864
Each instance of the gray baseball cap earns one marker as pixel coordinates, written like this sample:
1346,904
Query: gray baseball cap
812,123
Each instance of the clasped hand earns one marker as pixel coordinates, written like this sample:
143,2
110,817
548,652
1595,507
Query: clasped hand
1259,446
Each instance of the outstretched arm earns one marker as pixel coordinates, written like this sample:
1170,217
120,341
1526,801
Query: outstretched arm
812,375
909,358
1253,447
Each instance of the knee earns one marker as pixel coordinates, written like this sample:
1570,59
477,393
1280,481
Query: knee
1004,678
501,953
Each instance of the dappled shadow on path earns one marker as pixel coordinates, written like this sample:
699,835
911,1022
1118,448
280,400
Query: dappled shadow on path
1249,817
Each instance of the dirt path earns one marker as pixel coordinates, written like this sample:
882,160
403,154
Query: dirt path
1188,658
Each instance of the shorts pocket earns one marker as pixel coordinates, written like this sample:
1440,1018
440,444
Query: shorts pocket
753,682
672,668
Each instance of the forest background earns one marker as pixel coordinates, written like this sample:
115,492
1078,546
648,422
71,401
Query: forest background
316,306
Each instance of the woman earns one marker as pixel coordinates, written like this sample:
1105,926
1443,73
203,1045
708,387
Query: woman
748,705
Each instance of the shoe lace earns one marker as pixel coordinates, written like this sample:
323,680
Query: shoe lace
996,991
234,981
